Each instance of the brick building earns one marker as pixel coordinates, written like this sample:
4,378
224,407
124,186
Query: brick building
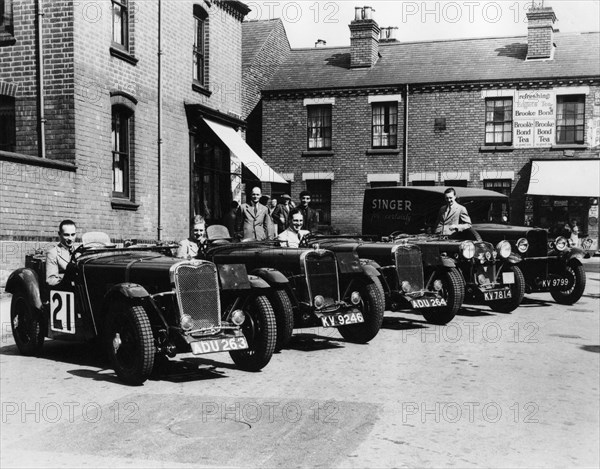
480,112
99,127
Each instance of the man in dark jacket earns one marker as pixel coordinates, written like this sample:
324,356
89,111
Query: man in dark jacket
311,219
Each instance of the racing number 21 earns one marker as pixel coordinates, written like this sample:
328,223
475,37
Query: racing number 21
62,311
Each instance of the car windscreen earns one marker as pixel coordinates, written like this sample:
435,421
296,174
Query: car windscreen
483,210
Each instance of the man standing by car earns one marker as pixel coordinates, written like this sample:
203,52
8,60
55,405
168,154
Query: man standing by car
452,217
309,214
281,214
294,234
190,247
58,257
253,219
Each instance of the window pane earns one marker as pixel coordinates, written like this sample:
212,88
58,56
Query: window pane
498,121
120,138
570,118
384,125
319,127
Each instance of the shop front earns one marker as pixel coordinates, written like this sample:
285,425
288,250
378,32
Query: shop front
563,197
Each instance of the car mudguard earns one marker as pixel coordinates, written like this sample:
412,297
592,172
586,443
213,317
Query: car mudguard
272,276
233,277
258,283
371,262
573,253
447,262
514,258
370,270
27,280
126,290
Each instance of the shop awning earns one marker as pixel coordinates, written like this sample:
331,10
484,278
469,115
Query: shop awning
565,178
242,150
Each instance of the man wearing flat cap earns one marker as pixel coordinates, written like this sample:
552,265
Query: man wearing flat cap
281,214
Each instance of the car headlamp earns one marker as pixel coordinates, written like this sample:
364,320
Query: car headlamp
561,243
437,285
467,249
319,301
522,245
355,298
238,317
504,249
186,322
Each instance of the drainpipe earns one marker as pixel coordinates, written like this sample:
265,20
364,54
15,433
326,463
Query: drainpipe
40,80
405,156
159,141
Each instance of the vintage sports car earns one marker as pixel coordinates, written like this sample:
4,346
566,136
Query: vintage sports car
490,275
548,265
436,297
311,287
140,302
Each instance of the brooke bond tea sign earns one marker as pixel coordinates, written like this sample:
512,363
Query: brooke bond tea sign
534,118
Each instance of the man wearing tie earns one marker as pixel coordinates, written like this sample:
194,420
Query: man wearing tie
253,219
452,217
294,234
58,257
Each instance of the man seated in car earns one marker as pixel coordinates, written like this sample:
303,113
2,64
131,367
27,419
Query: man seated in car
292,236
190,247
59,257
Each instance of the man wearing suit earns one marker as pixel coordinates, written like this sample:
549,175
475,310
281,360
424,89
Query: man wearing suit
281,214
58,257
452,217
310,215
253,219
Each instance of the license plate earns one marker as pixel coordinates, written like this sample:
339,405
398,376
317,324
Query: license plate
335,320
219,345
555,282
428,303
497,295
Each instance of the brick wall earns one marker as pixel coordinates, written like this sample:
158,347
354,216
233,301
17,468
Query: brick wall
80,77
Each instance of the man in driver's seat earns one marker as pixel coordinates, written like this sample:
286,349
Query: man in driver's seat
58,257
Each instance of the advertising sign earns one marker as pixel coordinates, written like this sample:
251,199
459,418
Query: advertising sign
534,118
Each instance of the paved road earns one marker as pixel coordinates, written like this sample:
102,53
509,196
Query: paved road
488,390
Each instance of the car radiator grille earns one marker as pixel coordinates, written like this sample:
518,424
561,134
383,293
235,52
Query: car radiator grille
484,251
321,275
409,265
197,290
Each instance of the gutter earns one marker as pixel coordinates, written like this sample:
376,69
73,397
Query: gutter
40,81
159,119
405,143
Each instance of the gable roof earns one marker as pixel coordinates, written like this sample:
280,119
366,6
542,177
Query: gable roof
255,35
436,62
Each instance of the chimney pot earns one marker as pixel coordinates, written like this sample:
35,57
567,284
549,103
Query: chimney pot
357,13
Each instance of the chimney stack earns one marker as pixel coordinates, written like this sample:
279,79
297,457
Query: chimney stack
364,38
540,33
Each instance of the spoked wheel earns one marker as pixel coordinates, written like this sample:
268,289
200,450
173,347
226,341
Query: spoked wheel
26,324
517,292
130,343
576,274
372,306
284,317
453,291
260,330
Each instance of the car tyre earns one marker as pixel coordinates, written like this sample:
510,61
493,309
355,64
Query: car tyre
130,343
576,271
453,291
518,291
260,329
372,306
284,317
26,324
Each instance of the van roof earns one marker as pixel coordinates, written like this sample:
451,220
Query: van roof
468,192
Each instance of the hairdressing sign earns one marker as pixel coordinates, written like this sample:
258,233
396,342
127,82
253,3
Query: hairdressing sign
534,118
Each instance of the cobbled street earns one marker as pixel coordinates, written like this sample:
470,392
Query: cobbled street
488,389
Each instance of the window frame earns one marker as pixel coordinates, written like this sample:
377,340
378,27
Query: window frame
8,128
200,51
123,21
323,132
573,129
124,152
390,113
320,191
496,126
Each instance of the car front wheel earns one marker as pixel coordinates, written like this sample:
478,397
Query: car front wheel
453,291
372,306
260,330
576,273
129,343
284,317
517,292
26,324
